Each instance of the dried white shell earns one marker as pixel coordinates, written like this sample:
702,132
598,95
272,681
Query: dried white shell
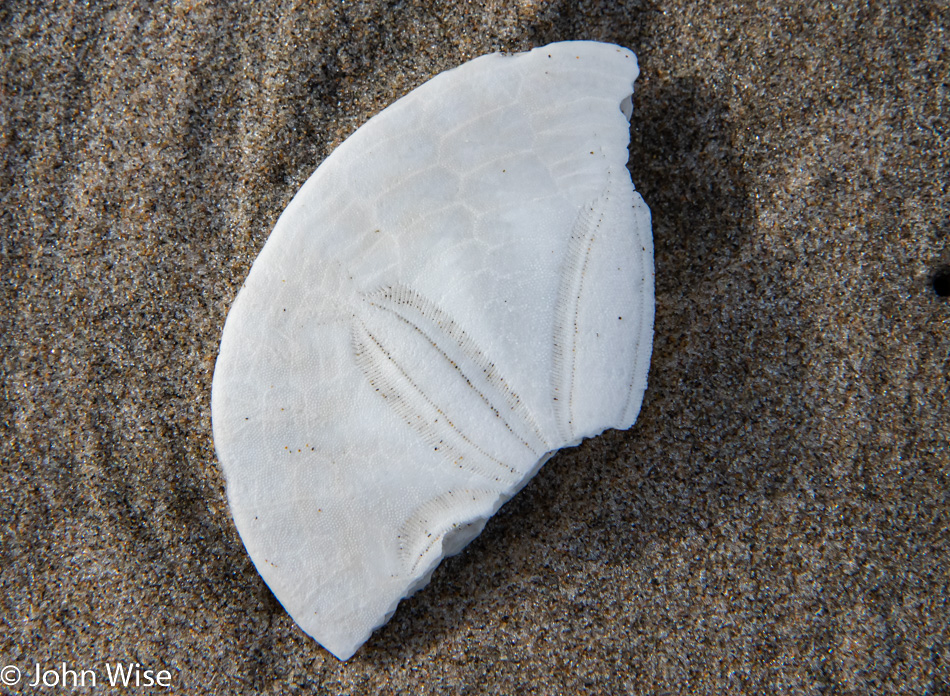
462,288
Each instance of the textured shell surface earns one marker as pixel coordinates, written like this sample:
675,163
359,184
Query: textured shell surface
463,287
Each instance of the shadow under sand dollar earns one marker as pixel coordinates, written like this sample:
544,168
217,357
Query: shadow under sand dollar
720,364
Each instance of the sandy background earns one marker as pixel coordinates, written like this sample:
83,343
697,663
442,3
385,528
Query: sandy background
777,520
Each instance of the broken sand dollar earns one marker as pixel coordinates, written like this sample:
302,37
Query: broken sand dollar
462,288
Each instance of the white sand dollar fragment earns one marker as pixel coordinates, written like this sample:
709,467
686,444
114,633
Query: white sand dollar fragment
462,288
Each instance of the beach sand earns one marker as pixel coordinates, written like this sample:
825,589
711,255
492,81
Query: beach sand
775,522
